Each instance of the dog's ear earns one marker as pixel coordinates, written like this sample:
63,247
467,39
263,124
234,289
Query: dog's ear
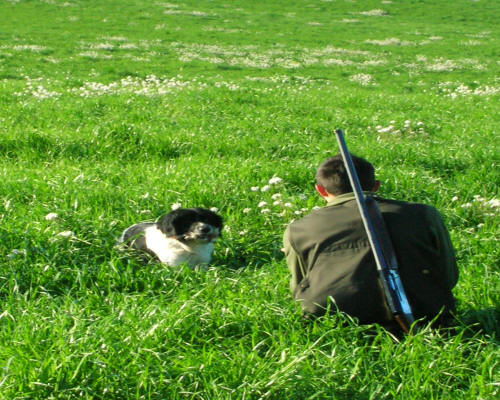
216,220
166,224
220,225
211,217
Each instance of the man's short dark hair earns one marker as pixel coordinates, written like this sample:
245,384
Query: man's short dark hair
332,175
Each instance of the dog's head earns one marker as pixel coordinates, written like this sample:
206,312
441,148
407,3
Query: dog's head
191,224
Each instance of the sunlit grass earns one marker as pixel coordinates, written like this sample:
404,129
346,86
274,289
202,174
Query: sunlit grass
113,112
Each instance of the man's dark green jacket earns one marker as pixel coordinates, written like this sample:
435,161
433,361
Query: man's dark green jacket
330,260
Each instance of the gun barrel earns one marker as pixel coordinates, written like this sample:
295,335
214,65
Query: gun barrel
380,243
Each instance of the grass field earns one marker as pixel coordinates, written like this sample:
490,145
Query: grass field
113,112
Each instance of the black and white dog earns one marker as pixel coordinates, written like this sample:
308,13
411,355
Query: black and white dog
184,236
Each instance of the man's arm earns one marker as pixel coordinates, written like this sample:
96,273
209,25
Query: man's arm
448,263
297,269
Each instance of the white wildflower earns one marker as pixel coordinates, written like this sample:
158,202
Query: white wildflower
466,205
51,216
276,196
275,180
442,65
29,47
65,234
277,202
15,252
254,188
454,198
214,209
287,205
362,79
265,188
389,42
374,13
246,210
387,129
494,203
128,46
176,206
101,46
262,204
265,211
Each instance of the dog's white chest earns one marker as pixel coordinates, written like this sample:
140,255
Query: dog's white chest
172,252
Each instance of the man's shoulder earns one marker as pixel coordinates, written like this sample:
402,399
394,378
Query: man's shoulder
330,215
317,212
403,204
408,209
347,210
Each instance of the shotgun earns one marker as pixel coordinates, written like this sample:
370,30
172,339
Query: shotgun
380,243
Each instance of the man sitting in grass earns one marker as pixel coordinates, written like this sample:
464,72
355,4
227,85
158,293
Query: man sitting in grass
332,265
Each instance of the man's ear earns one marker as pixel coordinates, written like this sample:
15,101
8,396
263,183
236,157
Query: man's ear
376,186
321,190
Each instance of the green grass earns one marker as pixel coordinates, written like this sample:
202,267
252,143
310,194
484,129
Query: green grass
113,111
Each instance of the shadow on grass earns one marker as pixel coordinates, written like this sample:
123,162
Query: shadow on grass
485,321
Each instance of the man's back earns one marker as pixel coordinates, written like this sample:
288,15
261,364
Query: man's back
334,258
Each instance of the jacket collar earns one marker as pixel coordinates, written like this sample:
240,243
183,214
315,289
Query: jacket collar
343,198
